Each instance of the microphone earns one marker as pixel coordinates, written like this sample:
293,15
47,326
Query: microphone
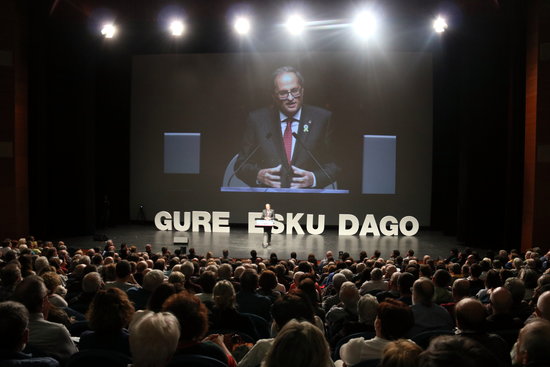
267,137
314,159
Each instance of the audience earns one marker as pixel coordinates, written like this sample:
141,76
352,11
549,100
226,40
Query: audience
57,285
455,351
532,344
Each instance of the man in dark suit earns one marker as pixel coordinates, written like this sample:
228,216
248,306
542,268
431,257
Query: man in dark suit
268,214
281,161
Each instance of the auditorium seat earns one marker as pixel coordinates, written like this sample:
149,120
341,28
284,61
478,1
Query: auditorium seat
260,324
368,363
423,339
98,357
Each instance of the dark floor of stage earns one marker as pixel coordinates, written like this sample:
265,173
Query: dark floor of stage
239,242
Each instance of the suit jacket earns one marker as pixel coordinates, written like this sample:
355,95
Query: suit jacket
271,213
315,131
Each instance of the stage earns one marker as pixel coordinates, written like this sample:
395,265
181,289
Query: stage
239,242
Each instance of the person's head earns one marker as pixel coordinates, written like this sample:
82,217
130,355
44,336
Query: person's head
393,320
160,295
110,311
492,279
501,301
337,281
249,280
10,275
288,90
400,353
376,274
461,289
191,314
92,282
224,271
543,306
470,315
153,338
423,292
405,283
367,308
207,281
268,280
516,288
456,351
532,343
441,278
176,277
32,293
291,306
349,295
298,344
268,206
152,280
224,295
14,322
123,270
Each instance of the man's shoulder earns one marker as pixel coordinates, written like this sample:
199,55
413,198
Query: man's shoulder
262,113
317,111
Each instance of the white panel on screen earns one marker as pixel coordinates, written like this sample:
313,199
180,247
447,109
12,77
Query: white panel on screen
379,161
182,152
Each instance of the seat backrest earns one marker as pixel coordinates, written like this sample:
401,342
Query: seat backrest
98,357
194,360
368,363
260,324
423,339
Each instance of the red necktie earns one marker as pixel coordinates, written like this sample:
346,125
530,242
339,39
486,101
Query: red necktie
287,138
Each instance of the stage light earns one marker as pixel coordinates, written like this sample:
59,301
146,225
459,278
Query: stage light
109,30
242,25
176,28
365,24
295,24
440,24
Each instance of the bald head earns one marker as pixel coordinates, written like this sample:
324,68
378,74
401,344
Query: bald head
423,291
470,315
532,345
543,306
349,295
501,301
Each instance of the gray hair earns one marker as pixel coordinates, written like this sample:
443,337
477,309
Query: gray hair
287,69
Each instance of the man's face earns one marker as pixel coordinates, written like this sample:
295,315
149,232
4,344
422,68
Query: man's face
267,206
287,102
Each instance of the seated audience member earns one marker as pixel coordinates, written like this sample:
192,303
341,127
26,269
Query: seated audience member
476,284
346,311
10,276
108,316
160,295
44,336
52,281
299,344
393,288
153,338
400,353
177,279
192,315
520,307
91,284
367,308
532,346
461,290
471,323
337,281
124,279
268,283
543,306
288,307
248,300
309,289
207,281
375,284
427,315
140,296
393,321
14,322
456,351
492,281
224,314
188,269
441,280
405,284
501,317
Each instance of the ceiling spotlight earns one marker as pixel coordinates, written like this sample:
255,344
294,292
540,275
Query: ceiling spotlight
242,25
295,24
109,30
440,24
365,24
176,28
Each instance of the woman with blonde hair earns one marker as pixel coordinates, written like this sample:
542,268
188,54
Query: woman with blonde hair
400,353
299,344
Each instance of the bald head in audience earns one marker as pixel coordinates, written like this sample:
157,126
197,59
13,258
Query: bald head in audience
543,306
470,315
461,289
423,291
501,301
532,344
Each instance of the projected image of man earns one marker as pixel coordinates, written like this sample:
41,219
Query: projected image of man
283,134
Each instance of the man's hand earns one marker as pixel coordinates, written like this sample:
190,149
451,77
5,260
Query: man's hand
301,179
270,176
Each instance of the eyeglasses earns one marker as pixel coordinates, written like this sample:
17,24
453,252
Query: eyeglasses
294,92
